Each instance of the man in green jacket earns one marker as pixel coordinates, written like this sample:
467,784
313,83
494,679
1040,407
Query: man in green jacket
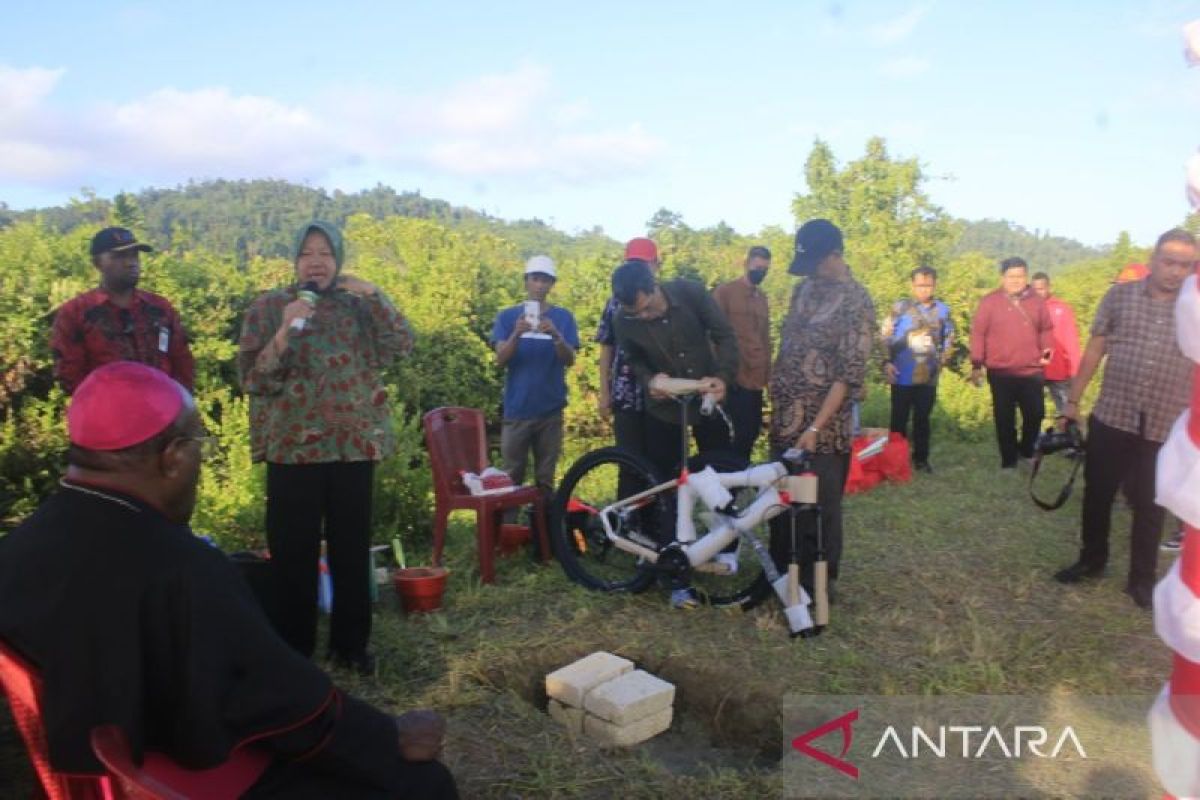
674,330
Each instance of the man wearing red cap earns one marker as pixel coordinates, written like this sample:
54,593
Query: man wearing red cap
118,321
132,620
621,396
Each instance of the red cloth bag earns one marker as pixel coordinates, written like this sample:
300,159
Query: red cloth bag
893,463
861,476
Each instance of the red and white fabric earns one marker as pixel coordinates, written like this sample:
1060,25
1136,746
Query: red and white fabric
1175,717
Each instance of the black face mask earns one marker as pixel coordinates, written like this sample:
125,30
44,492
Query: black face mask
756,276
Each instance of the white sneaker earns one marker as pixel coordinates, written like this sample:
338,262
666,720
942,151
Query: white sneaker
730,560
721,564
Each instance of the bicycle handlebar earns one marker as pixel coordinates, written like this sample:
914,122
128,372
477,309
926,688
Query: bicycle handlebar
679,386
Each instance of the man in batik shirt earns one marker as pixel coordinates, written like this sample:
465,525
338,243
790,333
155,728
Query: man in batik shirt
824,347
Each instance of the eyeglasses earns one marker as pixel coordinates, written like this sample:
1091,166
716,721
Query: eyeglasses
208,445
643,309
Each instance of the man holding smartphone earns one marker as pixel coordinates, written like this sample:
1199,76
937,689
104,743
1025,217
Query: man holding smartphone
535,342
1012,336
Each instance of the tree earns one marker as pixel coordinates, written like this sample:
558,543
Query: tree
665,220
126,212
890,224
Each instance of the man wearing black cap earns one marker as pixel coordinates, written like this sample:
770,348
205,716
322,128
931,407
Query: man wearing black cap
824,348
118,321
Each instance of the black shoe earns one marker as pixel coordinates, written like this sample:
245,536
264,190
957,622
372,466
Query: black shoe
1077,572
362,664
923,466
1142,596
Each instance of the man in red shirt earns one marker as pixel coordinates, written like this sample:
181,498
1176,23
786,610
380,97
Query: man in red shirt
118,321
1013,337
1064,361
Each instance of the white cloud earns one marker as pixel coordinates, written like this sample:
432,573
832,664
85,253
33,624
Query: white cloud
23,90
195,131
907,67
898,28
492,102
505,124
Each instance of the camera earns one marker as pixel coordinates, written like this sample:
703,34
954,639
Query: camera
1053,441
1070,443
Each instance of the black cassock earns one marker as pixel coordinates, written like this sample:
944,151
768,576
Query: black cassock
132,620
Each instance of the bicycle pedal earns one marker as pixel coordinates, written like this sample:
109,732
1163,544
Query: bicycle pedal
714,568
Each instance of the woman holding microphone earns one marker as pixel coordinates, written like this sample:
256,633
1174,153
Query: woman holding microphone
311,357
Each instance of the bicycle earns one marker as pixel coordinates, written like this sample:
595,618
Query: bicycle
609,518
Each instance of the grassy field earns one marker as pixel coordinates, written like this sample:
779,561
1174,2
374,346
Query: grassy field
945,589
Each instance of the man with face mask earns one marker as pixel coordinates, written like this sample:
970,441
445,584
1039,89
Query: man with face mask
132,620
118,321
311,357
745,306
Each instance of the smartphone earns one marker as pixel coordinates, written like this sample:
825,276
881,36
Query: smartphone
533,313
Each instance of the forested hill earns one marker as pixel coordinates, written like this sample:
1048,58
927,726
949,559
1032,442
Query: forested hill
260,217
999,239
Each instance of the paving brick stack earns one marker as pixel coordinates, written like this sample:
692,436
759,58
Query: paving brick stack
603,697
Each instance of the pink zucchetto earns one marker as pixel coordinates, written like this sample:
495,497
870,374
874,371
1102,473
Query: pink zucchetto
121,404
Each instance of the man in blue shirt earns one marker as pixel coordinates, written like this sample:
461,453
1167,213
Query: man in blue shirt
919,334
535,342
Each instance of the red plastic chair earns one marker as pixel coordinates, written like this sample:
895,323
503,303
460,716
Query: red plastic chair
23,687
158,777
457,443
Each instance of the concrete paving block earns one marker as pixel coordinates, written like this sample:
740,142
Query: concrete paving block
608,734
566,715
629,697
571,683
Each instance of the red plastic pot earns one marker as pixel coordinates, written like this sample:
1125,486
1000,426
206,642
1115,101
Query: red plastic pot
512,538
420,588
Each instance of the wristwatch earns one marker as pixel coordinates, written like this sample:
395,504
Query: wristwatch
813,429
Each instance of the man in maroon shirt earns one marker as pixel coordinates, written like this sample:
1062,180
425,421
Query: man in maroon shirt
118,321
1013,337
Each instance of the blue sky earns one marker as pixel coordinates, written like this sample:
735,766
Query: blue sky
1071,117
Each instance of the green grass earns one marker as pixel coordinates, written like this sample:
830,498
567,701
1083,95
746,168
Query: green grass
945,589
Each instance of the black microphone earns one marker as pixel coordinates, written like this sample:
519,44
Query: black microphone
307,293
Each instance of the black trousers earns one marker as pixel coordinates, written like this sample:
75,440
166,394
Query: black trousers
629,430
831,470
1116,458
304,503
745,409
1008,393
917,400
663,442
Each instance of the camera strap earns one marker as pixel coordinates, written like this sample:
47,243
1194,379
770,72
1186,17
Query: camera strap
1064,494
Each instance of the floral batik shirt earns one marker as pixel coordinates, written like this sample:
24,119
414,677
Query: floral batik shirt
826,337
322,399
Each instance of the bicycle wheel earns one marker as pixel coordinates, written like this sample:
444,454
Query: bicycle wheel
595,481
747,586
